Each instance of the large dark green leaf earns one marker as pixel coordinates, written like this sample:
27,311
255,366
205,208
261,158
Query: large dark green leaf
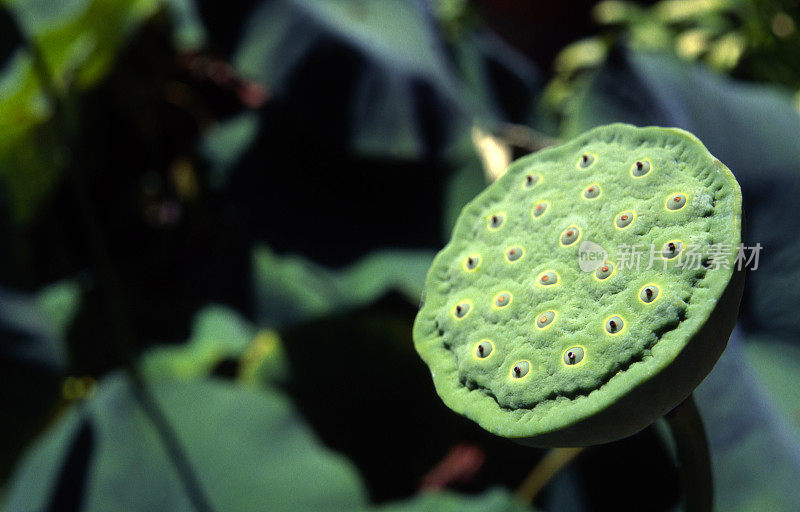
390,82
244,450
753,129
289,289
32,361
776,362
755,453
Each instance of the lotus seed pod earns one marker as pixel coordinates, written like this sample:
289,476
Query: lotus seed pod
613,315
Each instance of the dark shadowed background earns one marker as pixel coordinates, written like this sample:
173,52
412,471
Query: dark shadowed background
217,217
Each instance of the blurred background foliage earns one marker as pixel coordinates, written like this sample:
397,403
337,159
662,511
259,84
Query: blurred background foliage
217,219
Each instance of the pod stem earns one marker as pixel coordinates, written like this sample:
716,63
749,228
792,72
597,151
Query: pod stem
694,462
553,461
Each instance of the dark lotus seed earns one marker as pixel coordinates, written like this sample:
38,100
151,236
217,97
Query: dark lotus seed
531,180
585,161
570,236
676,202
539,209
502,300
462,310
640,168
472,262
496,220
671,249
624,219
649,294
614,324
591,192
514,253
573,356
485,348
548,278
545,319
520,369
604,271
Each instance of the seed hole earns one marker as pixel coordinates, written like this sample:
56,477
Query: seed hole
676,202
548,278
591,192
514,253
573,356
520,369
502,300
586,160
614,325
604,271
539,209
545,319
484,349
472,262
672,249
496,220
570,236
649,293
531,180
640,168
462,309
624,219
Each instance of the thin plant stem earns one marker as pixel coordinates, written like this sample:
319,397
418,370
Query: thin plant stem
553,462
694,462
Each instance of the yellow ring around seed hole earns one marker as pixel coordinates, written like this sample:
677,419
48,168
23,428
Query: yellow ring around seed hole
641,292
490,220
564,233
624,325
549,323
476,350
650,168
518,257
465,263
679,244
592,159
466,302
671,198
557,279
505,304
521,377
630,213
545,208
564,354
613,271
537,179
594,187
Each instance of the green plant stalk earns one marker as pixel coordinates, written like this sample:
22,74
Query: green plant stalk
553,462
694,462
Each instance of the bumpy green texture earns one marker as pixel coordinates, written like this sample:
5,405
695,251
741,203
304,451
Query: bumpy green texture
582,354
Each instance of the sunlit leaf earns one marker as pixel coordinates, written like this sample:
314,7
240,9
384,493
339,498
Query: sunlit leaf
289,289
78,39
218,333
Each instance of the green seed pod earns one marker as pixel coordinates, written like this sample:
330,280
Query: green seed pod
623,345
